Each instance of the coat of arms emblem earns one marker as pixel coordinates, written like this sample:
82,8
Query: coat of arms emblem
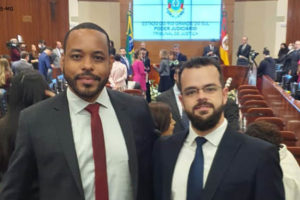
175,7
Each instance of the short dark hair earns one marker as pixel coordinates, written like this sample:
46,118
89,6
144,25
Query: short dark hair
136,54
24,54
198,62
117,57
87,25
265,131
266,51
160,113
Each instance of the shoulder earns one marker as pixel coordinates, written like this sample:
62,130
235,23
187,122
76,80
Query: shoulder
165,94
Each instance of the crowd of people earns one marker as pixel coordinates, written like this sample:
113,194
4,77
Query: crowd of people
93,142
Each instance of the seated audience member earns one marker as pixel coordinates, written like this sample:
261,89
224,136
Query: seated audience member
290,168
139,74
27,88
5,73
162,117
118,74
179,56
165,81
22,64
212,51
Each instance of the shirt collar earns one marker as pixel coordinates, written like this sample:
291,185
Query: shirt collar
176,90
213,137
77,104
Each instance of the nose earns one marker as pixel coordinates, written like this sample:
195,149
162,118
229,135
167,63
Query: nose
87,64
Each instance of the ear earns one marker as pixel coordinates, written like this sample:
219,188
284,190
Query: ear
225,95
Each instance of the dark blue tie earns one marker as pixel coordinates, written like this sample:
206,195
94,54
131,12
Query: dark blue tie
195,180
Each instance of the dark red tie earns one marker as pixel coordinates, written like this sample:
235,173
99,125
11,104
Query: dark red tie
101,188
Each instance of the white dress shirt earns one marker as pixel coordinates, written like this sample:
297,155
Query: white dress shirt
186,157
177,93
291,174
118,175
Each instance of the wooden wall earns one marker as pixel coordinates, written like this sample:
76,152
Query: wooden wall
189,48
293,21
33,20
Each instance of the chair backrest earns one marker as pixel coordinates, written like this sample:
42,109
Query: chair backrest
289,138
250,97
253,104
274,120
241,87
253,113
296,152
135,92
248,91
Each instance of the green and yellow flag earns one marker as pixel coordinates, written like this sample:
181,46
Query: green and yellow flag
129,40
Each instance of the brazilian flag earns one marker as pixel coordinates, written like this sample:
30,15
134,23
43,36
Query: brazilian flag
129,40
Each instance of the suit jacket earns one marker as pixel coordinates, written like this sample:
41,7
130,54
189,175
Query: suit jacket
169,98
45,151
21,65
56,55
181,57
244,52
215,51
243,168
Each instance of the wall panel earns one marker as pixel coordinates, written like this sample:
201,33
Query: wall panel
33,20
293,21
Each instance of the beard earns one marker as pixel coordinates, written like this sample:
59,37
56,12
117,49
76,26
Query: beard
210,122
87,93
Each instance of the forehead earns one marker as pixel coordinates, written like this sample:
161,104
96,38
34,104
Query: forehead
199,77
87,39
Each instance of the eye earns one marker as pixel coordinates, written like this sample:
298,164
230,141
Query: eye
190,92
98,58
76,56
210,89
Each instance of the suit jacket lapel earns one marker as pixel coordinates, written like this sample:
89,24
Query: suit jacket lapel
171,151
64,133
227,149
126,127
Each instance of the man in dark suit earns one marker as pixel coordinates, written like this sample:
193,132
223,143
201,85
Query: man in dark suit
171,98
211,161
211,51
71,150
146,62
243,52
180,57
23,64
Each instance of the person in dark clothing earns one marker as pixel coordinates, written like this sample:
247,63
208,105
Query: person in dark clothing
266,67
282,52
27,88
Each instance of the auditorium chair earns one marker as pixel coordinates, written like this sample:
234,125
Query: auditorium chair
289,138
253,113
241,87
250,97
134,92
243,92
253,104
296,152
274,120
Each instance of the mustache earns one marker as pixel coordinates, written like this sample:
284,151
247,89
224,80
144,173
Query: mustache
88,73
203,103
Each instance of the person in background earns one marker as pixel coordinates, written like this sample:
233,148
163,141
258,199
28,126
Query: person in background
298,72
14,50
34,57
22,64
211,50
56,54
27,88
42,45
289,166
5,73
45,67
118,74
243,52
139,74
266,67
146,62
112,49
165,81
282,53
125,61
172,63
162,117
179,56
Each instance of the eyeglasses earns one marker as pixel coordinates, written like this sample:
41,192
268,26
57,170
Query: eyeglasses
192,92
